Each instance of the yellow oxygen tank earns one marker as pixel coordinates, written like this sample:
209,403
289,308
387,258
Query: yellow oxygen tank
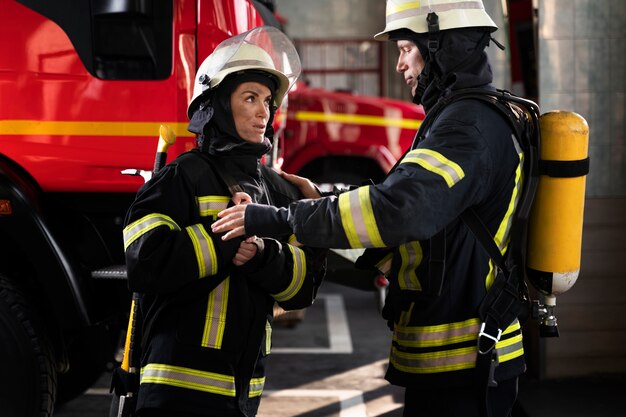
556,219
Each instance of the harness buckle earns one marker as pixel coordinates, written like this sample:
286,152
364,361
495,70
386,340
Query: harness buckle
482,333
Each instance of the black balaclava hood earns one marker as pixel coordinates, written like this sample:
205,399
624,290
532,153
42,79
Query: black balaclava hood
219,135
460,62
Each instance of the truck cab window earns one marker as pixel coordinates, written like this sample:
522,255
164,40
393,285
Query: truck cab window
116,39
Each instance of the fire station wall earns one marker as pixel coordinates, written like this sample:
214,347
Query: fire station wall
328,19
582,63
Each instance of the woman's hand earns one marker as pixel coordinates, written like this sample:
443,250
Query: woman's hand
247,250
231,220
306,187
241,197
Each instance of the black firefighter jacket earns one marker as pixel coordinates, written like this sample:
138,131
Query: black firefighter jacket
469,158
206,323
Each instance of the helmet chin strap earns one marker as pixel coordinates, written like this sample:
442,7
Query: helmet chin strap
424,79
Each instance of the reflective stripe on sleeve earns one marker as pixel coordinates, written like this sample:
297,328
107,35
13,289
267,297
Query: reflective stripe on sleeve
293,241
411,257
204,249
297,276
147,223
384,265
210,205
357,218
436,163
215,322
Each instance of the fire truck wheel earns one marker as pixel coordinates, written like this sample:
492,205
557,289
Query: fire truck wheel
26,360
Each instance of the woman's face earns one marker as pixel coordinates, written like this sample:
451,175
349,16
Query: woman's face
250,104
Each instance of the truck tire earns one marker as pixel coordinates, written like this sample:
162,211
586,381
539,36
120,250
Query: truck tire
27,371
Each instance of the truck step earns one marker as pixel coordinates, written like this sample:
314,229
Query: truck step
110,272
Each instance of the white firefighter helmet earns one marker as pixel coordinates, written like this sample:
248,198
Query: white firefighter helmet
263,48
453,14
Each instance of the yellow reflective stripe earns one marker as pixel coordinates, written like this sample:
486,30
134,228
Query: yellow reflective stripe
447,334
89,128
411,256
436,163
142,226
440,335
210,205
510,348
357,218
502,234
384,265
426,363
268,337
204,249
297,277
312,116
395,8
256,387
414,9
215,321
405,316
293,240
188,378
512,327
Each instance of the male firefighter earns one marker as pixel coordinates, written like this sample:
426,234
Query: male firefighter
468,157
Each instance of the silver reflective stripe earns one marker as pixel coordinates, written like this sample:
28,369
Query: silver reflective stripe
256,387
215,322
357,219
204,249
436,163
440,335
512,347
411,257
188,378
268,337
210,205
384,265
423,337
297,276
415,9
138,228
432,362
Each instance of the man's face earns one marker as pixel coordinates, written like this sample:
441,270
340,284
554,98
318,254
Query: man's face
410,63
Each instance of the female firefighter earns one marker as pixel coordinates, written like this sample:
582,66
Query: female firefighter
206,305
466,155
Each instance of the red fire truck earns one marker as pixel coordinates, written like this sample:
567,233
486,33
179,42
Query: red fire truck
84,87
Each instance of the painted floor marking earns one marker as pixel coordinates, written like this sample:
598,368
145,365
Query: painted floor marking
338,330
351,402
